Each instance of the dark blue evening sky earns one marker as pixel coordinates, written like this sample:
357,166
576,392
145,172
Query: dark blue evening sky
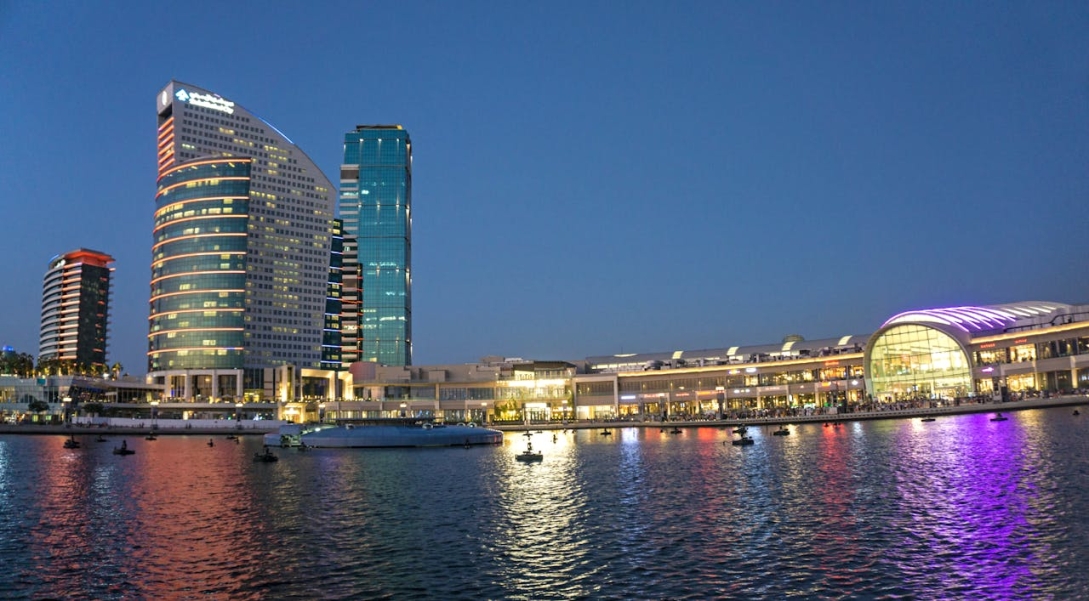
592,177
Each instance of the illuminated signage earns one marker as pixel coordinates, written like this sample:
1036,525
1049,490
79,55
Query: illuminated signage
1020,340
208,101
830,363
988,345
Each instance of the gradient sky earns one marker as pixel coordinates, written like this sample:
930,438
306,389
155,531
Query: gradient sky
592,177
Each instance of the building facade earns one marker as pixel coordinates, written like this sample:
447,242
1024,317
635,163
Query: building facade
376,206
933,356
75,309
240,257
331,343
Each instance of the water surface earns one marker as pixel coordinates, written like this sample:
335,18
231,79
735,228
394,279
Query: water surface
962,507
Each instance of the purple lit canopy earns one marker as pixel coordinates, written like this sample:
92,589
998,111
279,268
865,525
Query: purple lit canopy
983,319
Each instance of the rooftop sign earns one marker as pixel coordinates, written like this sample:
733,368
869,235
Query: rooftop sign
208,101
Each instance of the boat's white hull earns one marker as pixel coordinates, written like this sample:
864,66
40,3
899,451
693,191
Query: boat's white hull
401,436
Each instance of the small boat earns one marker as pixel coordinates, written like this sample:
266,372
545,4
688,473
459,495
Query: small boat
606,433
741,430
151,437
211,442
232,437
928,419
100,438
123,449
782,431
529,454
743,441
1076,412
266,457
675,431
999,418
71,443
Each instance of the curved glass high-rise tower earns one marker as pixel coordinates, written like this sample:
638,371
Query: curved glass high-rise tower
242,240
198,267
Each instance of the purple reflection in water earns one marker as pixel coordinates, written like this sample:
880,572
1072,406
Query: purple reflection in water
960,484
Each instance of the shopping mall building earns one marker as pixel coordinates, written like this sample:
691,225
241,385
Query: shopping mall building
997,351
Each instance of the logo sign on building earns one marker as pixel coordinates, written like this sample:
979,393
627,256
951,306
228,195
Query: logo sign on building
208,101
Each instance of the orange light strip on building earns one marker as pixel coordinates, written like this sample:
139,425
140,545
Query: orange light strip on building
179,238
166,128
763,365
208,162
180,203
194,348
220,310
189,182
199,217
210,291
188,273
161,332
203,254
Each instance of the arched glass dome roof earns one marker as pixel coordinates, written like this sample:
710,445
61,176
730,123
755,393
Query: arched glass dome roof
981,319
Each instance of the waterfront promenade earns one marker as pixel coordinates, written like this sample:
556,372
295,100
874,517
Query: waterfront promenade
167,427
913,412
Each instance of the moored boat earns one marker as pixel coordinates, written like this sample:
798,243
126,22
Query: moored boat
400,433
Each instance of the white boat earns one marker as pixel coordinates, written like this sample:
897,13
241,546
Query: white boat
400,433
289,435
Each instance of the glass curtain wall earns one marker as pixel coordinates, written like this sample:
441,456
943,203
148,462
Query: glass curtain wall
914,361
198,268
376,204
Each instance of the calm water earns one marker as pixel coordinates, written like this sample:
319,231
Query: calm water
959,508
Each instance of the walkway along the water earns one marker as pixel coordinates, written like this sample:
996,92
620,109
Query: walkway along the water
252,428
963,408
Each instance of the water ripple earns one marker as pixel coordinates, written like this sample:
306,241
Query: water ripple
962,508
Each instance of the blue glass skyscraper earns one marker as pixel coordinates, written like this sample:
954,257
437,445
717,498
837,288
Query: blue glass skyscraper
376,206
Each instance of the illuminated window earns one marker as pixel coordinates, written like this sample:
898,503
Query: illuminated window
912,361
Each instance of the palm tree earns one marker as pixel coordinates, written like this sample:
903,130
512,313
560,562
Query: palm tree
116,369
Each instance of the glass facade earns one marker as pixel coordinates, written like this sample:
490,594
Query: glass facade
376,205
915,361
198,269
331,339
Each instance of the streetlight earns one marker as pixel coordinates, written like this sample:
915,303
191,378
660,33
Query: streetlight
238,415
154,414
66,401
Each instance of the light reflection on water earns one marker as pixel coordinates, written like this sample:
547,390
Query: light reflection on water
959,508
